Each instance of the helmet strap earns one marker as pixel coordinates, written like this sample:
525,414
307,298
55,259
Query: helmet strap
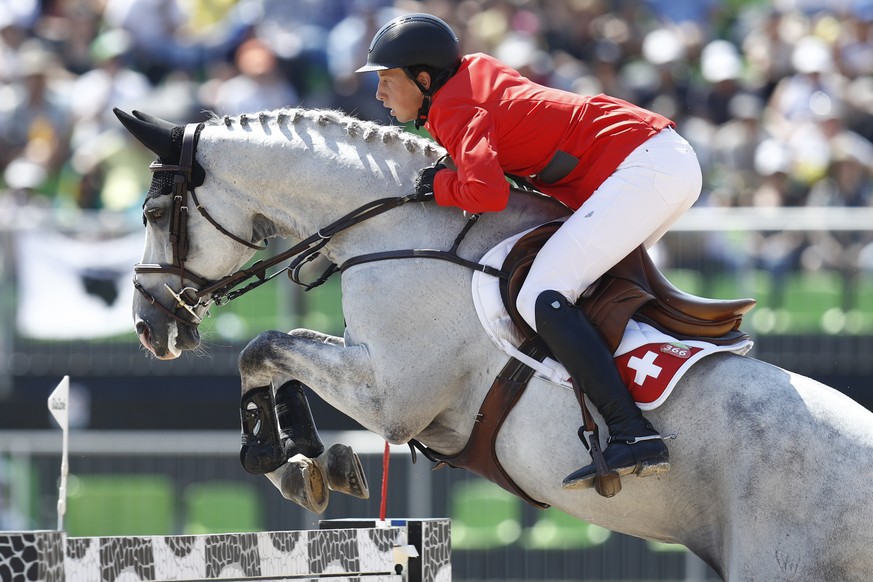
425,103
436,82
423,111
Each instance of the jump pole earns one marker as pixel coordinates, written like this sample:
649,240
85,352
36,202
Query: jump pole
408,550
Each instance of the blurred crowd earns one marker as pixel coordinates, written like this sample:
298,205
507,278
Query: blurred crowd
775,96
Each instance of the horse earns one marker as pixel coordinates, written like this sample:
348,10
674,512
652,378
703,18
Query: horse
770,470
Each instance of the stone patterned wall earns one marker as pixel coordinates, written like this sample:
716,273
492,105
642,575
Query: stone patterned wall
367,553
436,560
36,556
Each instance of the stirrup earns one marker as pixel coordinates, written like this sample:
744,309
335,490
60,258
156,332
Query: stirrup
607,482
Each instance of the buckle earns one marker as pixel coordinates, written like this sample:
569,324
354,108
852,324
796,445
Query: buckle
639,439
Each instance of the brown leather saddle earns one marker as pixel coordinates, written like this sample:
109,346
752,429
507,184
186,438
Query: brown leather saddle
633,288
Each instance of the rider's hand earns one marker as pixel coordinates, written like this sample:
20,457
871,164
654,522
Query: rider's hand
423,189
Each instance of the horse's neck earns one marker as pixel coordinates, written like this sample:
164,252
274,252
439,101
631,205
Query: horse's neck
302,170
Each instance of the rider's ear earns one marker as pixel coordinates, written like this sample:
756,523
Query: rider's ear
157,136
424,79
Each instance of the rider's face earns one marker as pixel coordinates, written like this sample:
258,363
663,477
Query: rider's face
398,93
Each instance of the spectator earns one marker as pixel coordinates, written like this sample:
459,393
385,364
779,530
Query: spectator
259,84
722,71
776,252
847,184
104,171
110,83
795,98
13,34
160,44
768,52
35,122
734,145
855,45
346,42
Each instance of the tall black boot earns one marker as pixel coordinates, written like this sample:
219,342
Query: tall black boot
634,447
266,446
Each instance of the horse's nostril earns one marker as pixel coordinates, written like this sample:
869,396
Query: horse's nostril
142,329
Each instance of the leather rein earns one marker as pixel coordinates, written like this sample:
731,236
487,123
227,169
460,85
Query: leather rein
222,291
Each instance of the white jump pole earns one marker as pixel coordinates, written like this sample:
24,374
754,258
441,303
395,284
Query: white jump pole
58,404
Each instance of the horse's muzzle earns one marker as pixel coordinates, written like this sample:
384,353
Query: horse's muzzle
169,345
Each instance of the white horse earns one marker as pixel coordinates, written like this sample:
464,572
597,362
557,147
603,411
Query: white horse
770,473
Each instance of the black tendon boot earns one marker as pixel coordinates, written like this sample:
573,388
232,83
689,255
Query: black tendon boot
634,447
260,451
264,446
298,432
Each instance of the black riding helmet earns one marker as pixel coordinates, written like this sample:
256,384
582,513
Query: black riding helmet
413,39
416,41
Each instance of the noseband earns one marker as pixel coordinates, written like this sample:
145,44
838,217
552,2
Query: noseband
187,297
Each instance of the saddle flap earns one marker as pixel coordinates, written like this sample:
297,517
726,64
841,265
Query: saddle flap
517,264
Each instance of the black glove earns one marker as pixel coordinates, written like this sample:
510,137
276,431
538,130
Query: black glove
423,189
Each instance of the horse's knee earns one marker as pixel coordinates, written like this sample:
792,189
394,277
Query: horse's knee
258,351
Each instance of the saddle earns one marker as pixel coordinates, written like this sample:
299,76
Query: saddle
634,288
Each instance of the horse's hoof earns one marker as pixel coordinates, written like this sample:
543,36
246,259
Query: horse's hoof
302,481
344,471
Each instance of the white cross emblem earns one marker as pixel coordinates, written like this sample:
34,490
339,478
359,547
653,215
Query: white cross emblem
645,367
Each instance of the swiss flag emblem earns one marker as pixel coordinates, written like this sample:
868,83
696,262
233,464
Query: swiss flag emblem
648,370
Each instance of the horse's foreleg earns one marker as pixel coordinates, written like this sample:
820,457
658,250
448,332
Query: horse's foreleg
279,440
284,445
276,427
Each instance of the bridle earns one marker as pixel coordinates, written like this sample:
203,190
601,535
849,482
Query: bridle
207,292
187,297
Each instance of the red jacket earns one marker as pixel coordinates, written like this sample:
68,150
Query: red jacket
492,120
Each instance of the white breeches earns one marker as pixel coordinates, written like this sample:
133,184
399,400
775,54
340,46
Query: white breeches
655,185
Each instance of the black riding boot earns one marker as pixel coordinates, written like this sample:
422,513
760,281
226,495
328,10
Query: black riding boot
265,447
633,446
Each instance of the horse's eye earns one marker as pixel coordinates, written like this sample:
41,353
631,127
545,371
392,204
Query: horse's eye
154,214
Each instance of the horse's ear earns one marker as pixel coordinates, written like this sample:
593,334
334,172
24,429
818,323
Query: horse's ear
153,120
158,137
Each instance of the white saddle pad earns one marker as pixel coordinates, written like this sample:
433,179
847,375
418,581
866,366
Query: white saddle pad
649,361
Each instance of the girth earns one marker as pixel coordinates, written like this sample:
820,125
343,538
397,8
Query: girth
479,455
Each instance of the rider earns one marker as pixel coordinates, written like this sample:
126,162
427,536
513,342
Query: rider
624,171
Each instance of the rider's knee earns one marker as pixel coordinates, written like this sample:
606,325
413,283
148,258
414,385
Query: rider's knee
526,305
530,297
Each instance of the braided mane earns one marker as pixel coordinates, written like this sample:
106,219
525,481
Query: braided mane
367,131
